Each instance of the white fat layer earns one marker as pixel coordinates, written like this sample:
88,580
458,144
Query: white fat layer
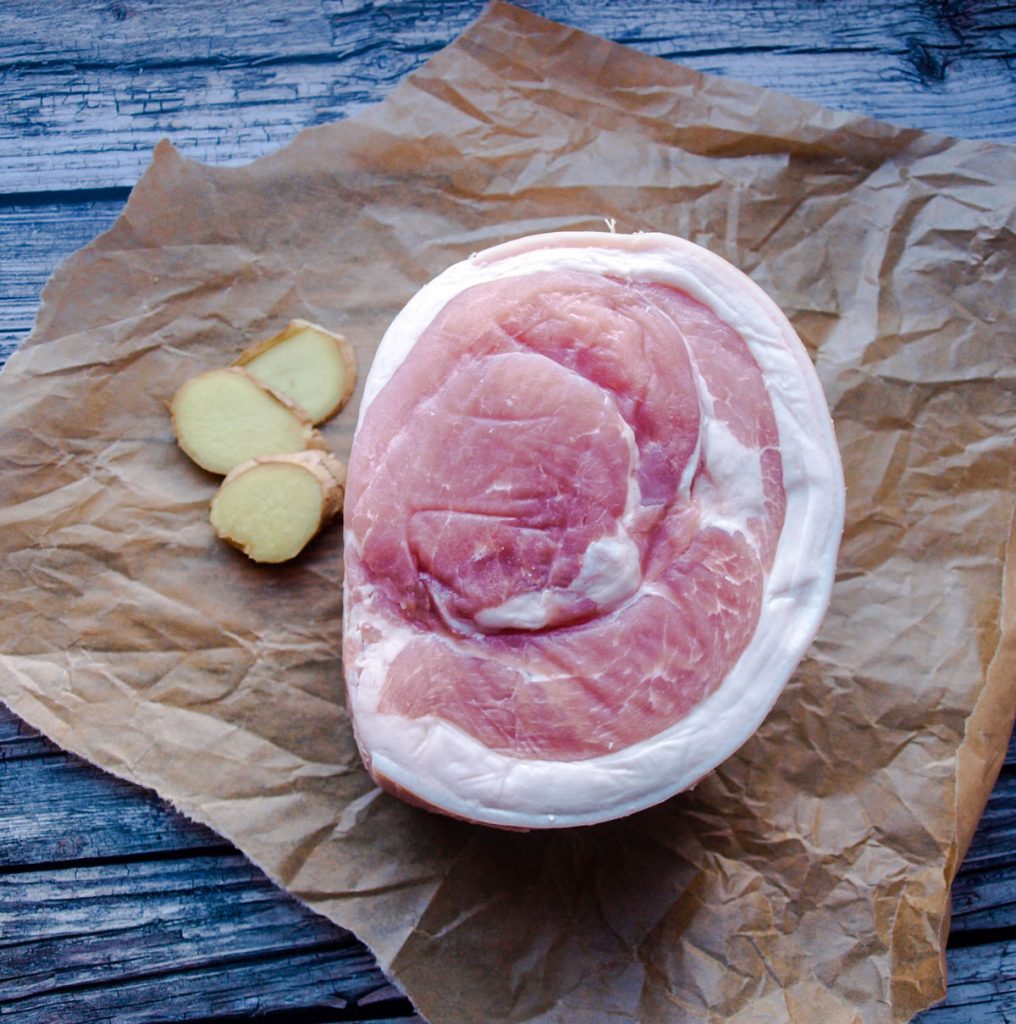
611,571
532,610
729,492
372,657
450,769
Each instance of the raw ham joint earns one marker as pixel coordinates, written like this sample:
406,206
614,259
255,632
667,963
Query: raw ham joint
592,515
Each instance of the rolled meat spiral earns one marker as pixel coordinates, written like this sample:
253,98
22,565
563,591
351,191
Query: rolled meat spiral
592,514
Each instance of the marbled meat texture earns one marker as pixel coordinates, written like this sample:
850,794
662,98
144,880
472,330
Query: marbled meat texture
537,515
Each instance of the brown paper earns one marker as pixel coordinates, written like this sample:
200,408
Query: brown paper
807,878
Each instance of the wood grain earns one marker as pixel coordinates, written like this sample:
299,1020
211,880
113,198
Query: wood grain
89,852
83,109
211,921
71,811
34,238
982,987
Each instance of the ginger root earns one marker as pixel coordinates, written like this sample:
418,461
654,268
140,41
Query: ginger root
308,364
253,422
271,507
224,417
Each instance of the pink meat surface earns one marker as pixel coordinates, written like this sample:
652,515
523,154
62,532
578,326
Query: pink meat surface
533,506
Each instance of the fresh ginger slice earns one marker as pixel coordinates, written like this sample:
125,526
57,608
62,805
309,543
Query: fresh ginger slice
271,507
224,417
309,365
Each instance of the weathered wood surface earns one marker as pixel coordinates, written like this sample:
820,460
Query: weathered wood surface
101,880
244,943
86,95
112,906
33,240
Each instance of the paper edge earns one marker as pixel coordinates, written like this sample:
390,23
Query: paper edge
977,768
195,817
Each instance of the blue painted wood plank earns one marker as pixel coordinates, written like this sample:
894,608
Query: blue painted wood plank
205,915
59,809
83,100
210,921
34,238
982,987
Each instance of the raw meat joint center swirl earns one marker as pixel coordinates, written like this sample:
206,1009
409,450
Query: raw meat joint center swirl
565,503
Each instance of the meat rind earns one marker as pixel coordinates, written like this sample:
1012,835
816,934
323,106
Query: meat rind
482,770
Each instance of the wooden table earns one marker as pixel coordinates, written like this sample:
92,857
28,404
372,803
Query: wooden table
113,907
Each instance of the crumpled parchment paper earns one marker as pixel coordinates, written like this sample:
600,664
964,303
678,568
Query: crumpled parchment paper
807,878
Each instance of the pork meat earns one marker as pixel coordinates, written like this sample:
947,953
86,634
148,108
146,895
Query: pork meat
592,515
